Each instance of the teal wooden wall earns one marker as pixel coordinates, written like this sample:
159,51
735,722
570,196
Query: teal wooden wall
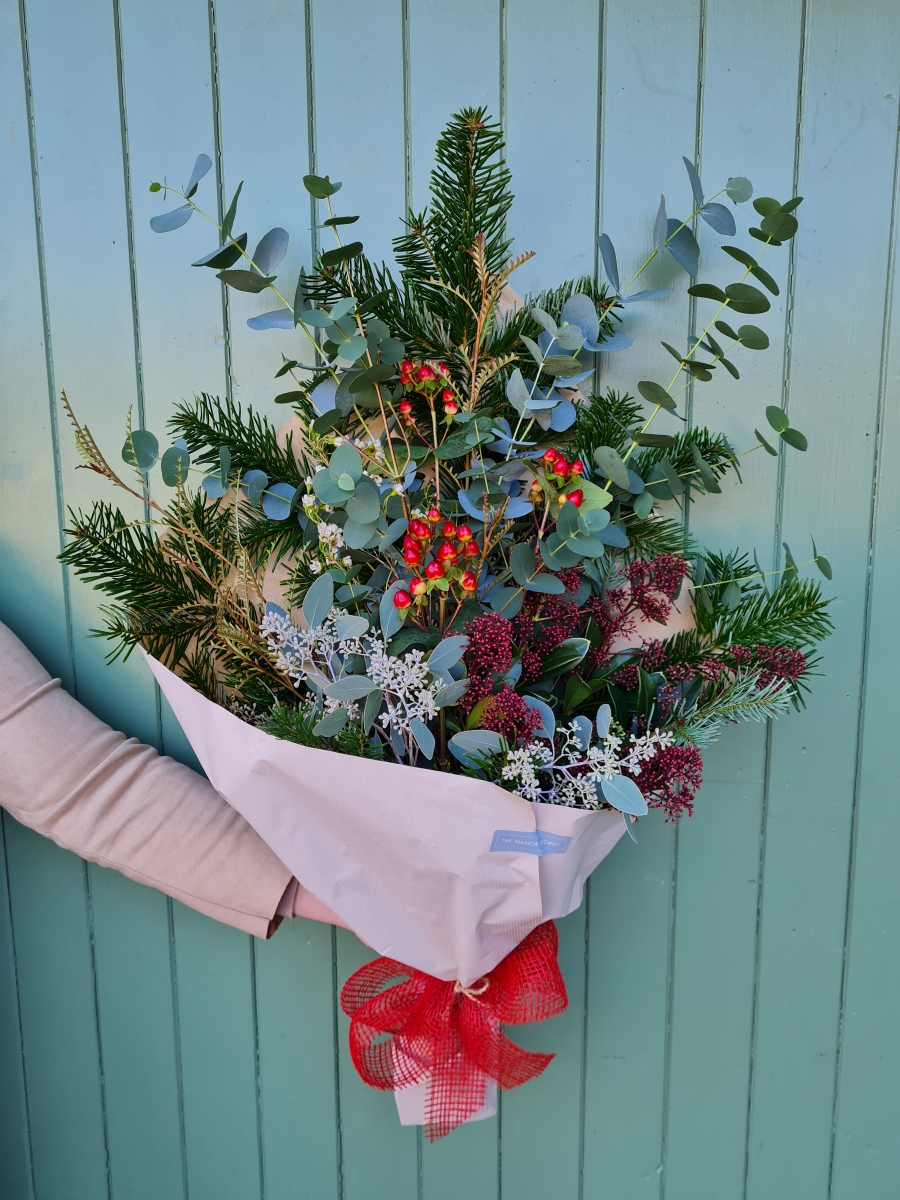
735,984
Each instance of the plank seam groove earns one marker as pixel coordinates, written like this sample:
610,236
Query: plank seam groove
132,277
861,718
598,184
220,184
311,119
176,1025
407,106
15,960
584,1035
504,71
48,344
336,1035
257,1077
776,558
698,160
92,943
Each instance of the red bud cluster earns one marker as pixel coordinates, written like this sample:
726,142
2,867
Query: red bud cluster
430,381
450,547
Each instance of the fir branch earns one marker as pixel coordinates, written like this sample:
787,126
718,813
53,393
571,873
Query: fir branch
739,699
210,423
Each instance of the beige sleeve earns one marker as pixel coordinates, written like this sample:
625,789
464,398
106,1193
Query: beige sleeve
118,803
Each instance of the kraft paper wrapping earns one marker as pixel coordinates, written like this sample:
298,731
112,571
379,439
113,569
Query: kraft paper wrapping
401,855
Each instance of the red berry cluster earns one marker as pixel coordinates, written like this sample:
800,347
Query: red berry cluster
562,474
449,546
431,382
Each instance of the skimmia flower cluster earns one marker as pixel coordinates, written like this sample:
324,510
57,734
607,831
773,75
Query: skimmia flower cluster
456,550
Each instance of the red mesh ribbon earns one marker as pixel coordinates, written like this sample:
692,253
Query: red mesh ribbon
422,1028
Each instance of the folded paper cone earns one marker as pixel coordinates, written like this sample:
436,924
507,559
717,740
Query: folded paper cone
441,872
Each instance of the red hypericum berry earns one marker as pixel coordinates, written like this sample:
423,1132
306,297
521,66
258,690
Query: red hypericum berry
464,534
450,407
447,551
405,407
575,497
419,529
468,582
402,599
434,570
409,542
447,394
418,586
424,373
470,550
407,367
536,488
434,514
577,467
412,555
443,369
550,456
560,466
448,529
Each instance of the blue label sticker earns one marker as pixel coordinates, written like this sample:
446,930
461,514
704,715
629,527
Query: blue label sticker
539,842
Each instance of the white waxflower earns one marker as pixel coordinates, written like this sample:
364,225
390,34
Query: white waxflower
315,566
309,501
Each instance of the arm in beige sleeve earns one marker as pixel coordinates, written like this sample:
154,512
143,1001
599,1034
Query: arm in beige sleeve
120,804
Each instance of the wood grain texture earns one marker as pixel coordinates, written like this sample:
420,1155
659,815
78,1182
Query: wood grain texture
733,986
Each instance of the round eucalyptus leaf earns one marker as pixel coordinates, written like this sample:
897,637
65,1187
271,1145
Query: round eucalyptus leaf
753,338
174,466
166,222
766,445
655,393
332,725
777,418
277,501
794,438
780,225
214,487
739,189
141,450
624,794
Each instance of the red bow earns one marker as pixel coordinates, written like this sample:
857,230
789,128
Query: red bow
450,1035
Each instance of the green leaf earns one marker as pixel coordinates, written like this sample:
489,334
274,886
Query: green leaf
246,281
155,187
141,449
595,498
794,438
761,237
777,418
824,566
732,595
544,318
331,725
730,367
174,466
316,318
790,567
322,424
739,189
707,291
319,187
727,331
228,223
318,601
707,474
563,364
745,298
655,394
332,258
673,479
751,264
643,505
333,221
345,460
567,655
780,225
765,205
671,349
392,351
790,205
766,445
534,349
753,338
659,440
610,463
354,347
377,374
223,256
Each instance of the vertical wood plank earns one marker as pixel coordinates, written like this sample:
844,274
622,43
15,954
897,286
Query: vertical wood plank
379,1158
865,1148
552,147
218,1056
32,599
649,115
15,1141
297,1063
59,1017
86,244
719,848
464,39
848,133
179,309
265,142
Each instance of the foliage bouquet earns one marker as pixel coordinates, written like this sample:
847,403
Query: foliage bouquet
451,559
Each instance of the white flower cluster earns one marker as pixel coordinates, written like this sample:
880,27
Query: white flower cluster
574,770
317,657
